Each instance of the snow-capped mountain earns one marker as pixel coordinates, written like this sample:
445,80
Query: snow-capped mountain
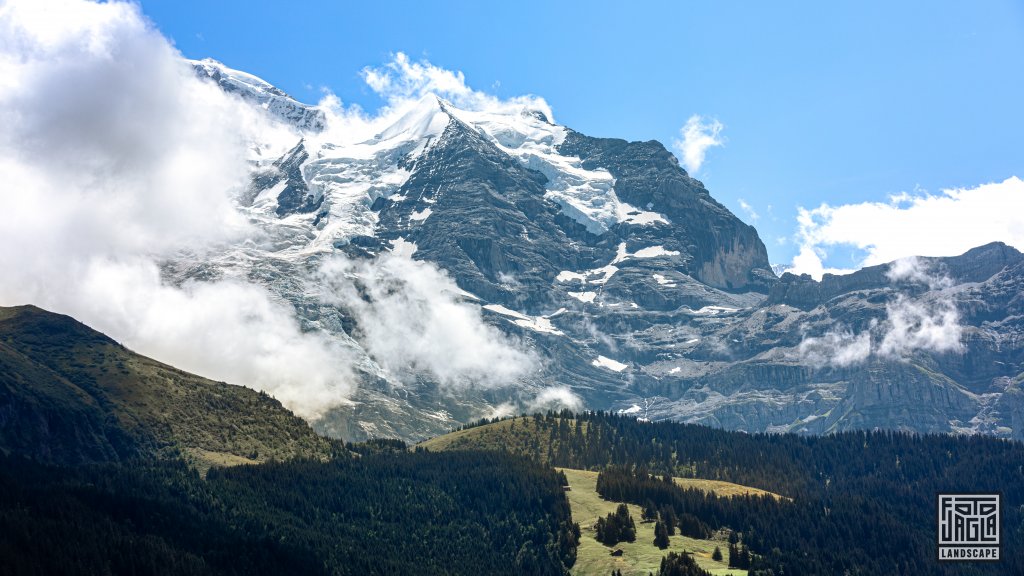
617,274
262,94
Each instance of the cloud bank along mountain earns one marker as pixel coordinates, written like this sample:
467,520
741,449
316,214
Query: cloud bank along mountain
116,156
120,163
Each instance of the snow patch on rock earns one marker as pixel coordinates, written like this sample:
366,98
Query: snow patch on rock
540,324
605,362
585,297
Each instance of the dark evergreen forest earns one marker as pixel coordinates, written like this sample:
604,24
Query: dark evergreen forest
856,502
386,512
859,503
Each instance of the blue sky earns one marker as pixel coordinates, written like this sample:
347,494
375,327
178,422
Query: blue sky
843,103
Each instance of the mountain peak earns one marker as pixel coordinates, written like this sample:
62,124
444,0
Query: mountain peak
427,118
257,91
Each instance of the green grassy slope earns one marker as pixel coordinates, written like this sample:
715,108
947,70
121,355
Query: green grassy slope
69,394
523,435
640,557
513,435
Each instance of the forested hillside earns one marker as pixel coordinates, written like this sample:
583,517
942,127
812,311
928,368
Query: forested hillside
113,463
383,513
862,502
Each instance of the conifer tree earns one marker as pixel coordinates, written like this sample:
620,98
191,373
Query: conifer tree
744,559
660,535
650,512
668,516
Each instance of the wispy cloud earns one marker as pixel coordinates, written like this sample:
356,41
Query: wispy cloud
401,83
413,319
697,136
555,398
920,325
749,210
838,347
916,271
918,224
402,80
929,323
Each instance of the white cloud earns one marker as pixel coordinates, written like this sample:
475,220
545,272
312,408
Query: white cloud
96,108
920,224
913,269
698,135
836,347
809,260
114,157
920,325
503,410
412,320
930,323
550,398
749,210
402,80
555,398
402,83
227,330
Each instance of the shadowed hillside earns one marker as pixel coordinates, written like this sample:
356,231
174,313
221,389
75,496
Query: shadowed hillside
69,394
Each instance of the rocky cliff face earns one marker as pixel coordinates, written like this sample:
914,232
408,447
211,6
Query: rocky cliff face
937,351
976,265
481,215
630,284
716,247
